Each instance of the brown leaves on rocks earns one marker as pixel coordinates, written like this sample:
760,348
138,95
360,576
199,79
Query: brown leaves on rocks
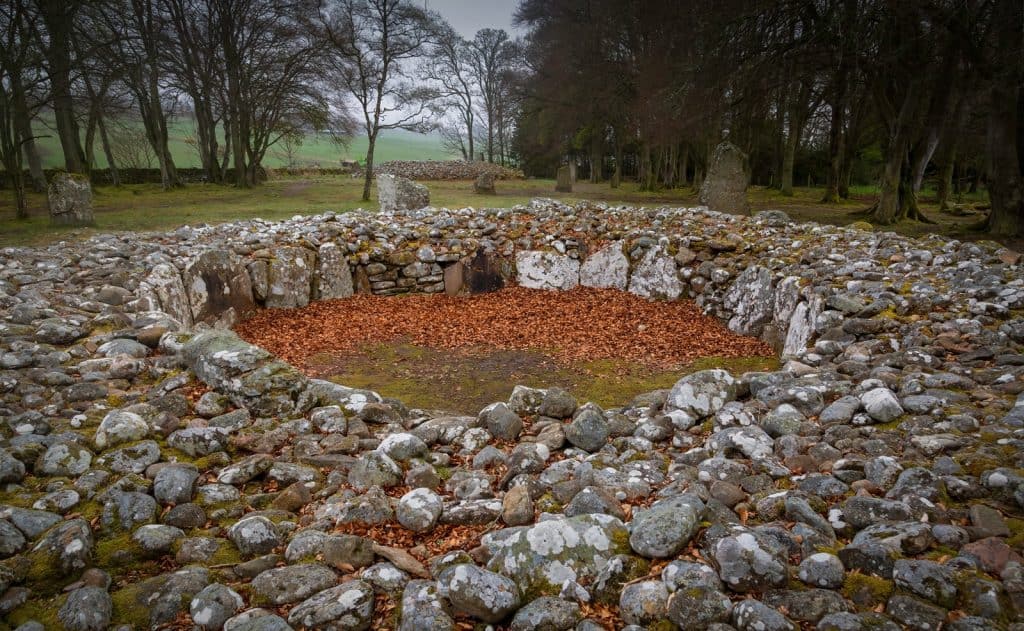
577,325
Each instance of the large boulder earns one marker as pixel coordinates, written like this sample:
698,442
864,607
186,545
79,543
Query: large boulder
398,193
725,187
245,373
345,606
164,284
751,301
656,277
667,526
484,184
547,270
701,394
544,557
486,595
69,197
219,288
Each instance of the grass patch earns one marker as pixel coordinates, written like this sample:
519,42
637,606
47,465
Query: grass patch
145,207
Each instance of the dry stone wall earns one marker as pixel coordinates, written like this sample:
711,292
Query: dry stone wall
156,470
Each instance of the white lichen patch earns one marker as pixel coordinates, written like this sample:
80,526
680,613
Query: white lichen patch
552,537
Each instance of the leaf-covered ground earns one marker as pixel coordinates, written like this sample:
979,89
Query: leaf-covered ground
461,353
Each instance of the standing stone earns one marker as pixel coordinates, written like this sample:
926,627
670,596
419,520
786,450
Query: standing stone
564,183
219,288
164,282
335,277
398,193
291,276
606,268
484,184
725,187
69,197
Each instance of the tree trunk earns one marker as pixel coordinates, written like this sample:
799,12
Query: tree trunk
469,132
59,22
887,210
684,165
617,173
1006,124
371,145
36,174
1006,182
944,186
788,157
226,160
836,148
115,175
490,135
90,138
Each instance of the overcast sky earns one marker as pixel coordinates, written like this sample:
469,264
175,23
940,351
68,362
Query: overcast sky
469,16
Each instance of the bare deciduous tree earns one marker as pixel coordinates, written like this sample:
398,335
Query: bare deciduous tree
372,41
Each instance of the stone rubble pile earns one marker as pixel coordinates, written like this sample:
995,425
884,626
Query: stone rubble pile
158,470
447,170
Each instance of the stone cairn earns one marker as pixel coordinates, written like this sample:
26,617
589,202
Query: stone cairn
447,169
725,187
69,197
158,470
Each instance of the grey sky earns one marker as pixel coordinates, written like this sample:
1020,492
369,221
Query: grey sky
469,16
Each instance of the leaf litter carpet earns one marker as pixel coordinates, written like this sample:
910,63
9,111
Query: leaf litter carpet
582,324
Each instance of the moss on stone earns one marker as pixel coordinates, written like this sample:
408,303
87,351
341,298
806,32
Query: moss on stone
1016,527
548,504
127,608
866,591
42,610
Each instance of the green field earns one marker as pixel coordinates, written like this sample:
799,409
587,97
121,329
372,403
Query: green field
315,151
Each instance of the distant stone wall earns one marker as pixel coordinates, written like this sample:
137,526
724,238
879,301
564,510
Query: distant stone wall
446,170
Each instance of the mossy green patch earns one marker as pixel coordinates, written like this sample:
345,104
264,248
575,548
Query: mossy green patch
39,609
548,504
1016,527
867,591
466,381
443,472
128,609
